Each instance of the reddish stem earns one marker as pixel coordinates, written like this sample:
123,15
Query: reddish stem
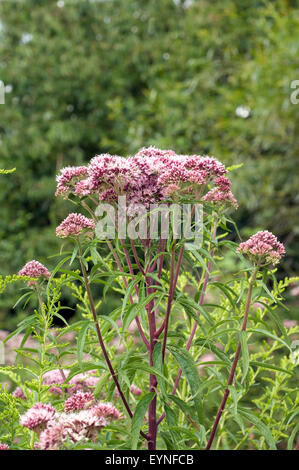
202,296
235,362
152,410
100,338
172,285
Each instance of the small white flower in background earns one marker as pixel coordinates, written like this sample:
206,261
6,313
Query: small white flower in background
243,112
26,38
60,3
8,88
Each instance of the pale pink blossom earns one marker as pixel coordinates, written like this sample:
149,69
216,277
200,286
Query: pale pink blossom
77,426
289,323
219,196
18,393
79,401
263,248
135,390
55,377
4,446
34,269
69,178
83,382
295,291
37,417
209,357
74,225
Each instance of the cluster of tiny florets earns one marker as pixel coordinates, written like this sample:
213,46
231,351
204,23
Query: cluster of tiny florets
37,418
263,248
74,225
18,393
149,177
69,178
79,401
4,446
34,269
82,419
83,382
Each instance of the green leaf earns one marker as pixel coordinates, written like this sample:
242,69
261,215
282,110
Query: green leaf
271,335
292,437
189,369
172,421
138,417
269,366
245,354
260,426
158,364
81,342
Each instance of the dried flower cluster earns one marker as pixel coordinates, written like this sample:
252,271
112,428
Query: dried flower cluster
263,248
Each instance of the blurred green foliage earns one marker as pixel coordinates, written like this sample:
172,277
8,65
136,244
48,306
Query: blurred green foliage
85,77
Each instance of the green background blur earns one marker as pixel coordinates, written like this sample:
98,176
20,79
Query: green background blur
88,76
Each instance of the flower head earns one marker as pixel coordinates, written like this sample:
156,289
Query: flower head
34,269
37,418
77,426
83,382
18,393
69,178
4,446
79,401
106,410
74,225
55,377
263,248
220,196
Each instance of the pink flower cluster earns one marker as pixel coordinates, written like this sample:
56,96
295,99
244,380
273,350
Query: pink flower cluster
74,225
149,177
263,248
69,179
221,193
34,269
83,382
133,389
78,425
78,401
4,446
37,418
18,393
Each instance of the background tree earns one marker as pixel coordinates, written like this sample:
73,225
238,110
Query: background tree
85,77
